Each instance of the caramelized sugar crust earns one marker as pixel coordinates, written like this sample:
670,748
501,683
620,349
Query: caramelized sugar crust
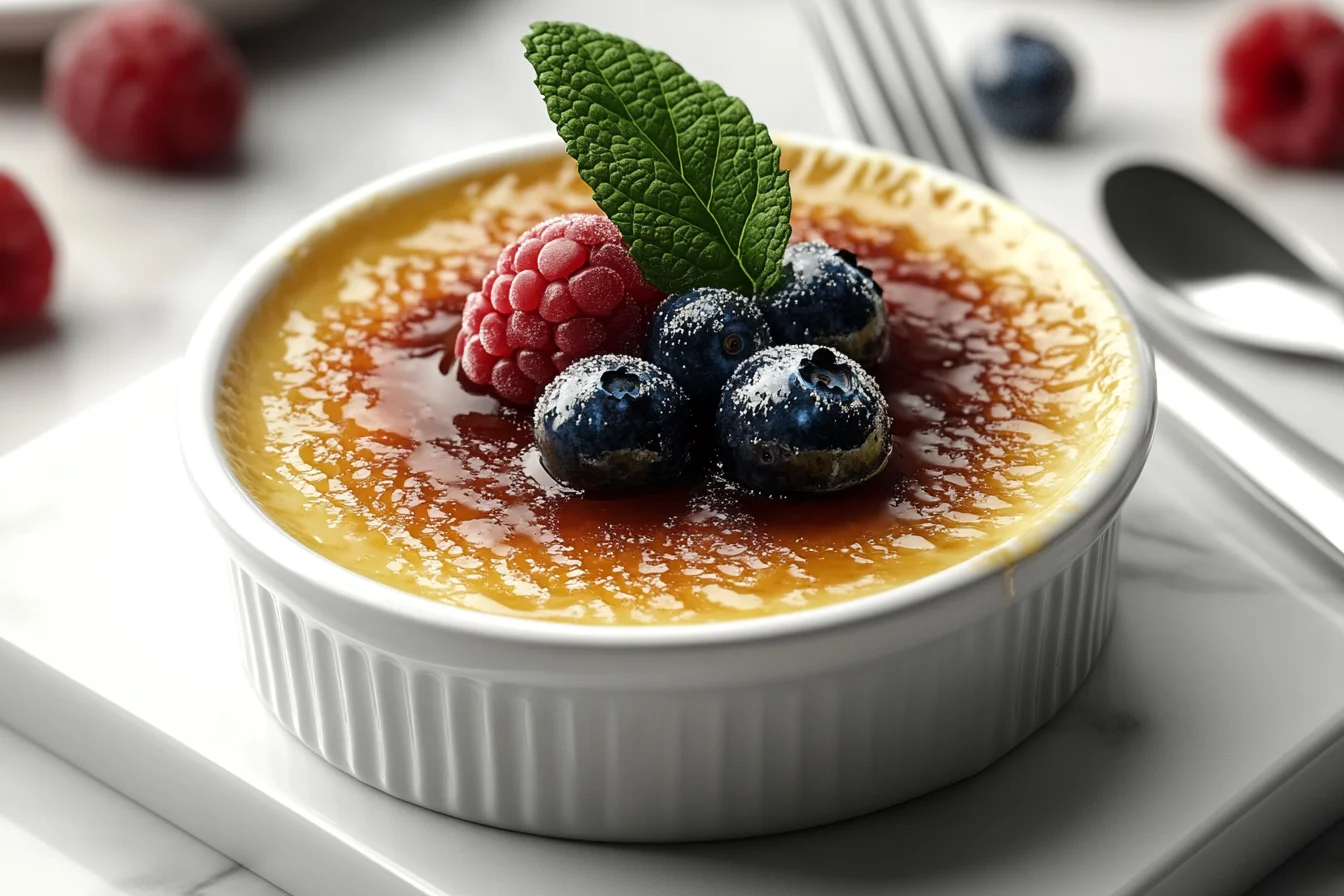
1007,378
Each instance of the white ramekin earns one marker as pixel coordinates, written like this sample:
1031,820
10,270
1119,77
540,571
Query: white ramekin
655,733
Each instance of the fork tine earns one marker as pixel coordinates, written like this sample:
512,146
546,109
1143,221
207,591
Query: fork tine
885,90
900,66
888,37
957,123
847,58
830,59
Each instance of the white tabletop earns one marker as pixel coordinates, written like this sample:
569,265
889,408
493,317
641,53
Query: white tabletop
358,89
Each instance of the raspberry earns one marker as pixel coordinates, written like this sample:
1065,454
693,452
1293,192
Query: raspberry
525,291
597,291
26,256
566,289
581,336
627,328
560,258
557,305
476,361
475,312
527,330
148,83
509,383
1283,81
536,366
494,335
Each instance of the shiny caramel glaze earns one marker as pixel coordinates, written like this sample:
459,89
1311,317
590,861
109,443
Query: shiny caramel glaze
1008,375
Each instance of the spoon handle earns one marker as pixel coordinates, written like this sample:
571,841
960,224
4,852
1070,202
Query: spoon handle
1303,483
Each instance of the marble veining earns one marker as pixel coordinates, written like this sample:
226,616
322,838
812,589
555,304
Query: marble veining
64,834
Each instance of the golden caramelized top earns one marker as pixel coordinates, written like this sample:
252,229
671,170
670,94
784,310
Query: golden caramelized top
1008,378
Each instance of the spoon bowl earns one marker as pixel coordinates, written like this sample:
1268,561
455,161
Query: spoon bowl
1223,270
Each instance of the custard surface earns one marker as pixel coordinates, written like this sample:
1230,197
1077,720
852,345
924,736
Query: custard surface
1008,376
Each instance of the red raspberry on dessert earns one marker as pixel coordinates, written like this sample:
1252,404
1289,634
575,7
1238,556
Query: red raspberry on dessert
149,82
566,288
1283,81
26,256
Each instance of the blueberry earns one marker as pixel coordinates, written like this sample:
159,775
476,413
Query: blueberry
1024,85
802,418
612,422
827,297
702,335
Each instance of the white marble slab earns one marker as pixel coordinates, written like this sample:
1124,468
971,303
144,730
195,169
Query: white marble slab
1203,749
142,255
62,832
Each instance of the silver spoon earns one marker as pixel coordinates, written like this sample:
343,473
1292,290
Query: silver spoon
1227,273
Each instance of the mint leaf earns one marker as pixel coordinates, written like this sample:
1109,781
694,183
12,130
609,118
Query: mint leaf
691,180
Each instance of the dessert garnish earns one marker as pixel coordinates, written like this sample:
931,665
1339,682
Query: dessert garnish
701,335
827,297
1024,85
1283,86
698,207
151,83
692,181
564,289
802,418
613,422
26,255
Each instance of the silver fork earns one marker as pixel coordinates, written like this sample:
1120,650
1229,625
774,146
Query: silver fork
881,58
887,80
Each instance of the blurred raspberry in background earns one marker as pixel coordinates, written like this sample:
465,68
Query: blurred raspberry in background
1283,86
26,256
150,83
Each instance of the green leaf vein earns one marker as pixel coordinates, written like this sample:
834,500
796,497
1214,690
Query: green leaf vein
682,227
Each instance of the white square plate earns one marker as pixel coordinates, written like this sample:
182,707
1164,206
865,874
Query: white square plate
1204,748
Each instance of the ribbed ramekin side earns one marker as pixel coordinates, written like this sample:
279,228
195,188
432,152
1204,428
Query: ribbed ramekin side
616,763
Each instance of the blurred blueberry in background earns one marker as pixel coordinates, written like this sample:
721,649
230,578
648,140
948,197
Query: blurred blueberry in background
1024,85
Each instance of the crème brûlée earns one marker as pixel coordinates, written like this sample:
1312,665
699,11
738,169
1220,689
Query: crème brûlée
1008,377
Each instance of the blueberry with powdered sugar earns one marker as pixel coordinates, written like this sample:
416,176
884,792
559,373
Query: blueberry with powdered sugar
613,422
826,297
802,418
701,335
